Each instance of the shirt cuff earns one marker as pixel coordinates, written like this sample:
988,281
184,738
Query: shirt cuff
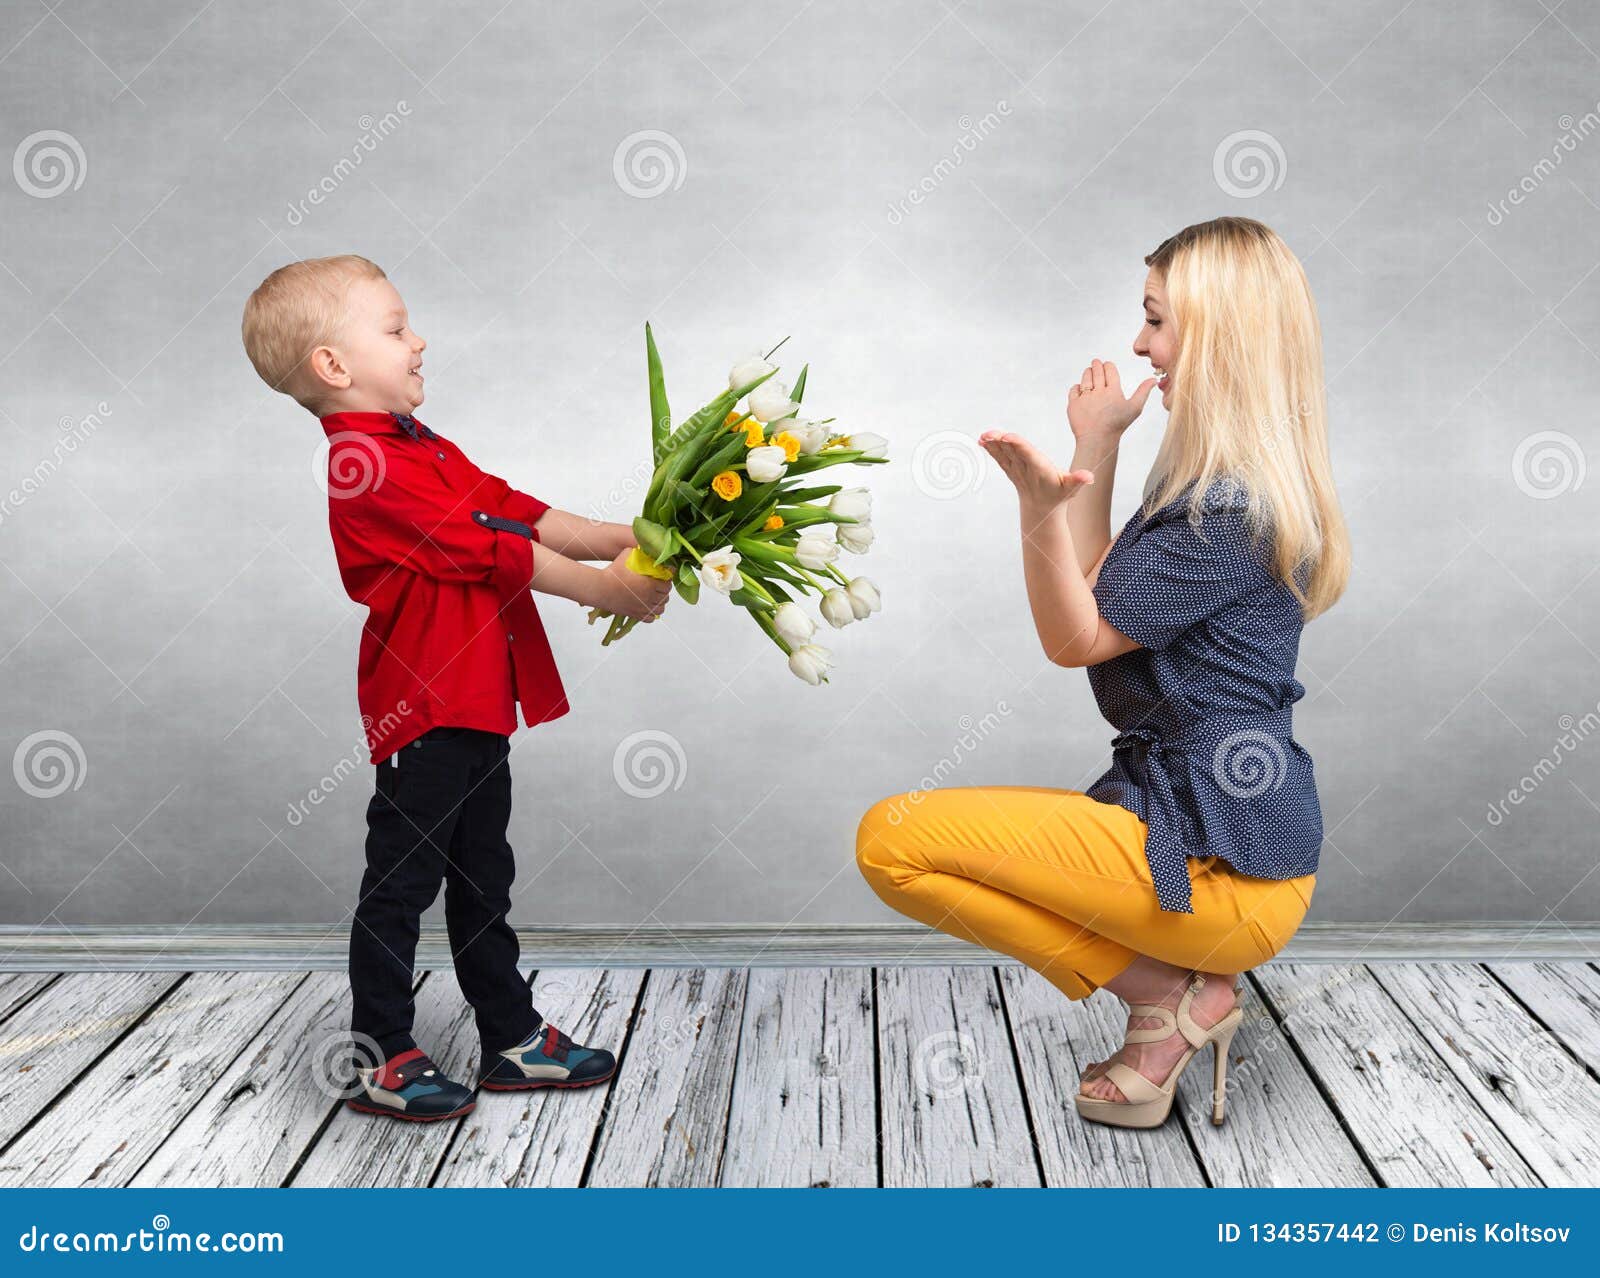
524,508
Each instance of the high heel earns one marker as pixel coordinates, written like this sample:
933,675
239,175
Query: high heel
1146,1103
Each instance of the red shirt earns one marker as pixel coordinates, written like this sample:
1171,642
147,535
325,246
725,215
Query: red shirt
441,553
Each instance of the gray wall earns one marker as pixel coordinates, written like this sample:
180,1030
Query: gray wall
173,617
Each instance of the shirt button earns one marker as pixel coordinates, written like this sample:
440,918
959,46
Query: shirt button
509,638
440,456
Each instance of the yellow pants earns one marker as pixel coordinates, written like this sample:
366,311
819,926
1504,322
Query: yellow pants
1059,881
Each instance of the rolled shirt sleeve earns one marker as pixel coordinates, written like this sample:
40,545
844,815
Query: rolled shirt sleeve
1173,576
409,518
510,502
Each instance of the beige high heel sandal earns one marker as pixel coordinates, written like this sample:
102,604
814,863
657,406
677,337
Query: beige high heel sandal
1146,1104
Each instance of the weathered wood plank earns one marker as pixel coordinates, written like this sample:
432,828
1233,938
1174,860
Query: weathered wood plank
1565,996
16,988
116,1115
952,1106
373,1151
1278,1131
1056,1039
265,1109
666,1118
51,1040
543,1138
1536,1092
804,1107
1417,1125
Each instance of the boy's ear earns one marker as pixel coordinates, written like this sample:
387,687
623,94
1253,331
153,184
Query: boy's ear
328,369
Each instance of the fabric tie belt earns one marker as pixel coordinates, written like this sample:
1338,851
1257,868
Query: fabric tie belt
1165,850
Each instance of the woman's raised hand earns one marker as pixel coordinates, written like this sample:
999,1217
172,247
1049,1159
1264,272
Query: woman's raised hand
1096,407
1040,485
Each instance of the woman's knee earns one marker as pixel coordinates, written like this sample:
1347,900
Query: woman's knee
879,838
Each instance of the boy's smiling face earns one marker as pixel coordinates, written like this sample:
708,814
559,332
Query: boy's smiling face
376,363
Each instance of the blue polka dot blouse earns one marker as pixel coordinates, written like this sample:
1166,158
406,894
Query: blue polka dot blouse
1204,752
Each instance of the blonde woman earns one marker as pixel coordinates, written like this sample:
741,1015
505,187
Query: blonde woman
1194,856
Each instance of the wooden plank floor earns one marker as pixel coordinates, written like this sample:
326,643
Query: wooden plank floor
1380,1074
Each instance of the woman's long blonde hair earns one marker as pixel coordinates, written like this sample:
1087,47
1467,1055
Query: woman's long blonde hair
1249,399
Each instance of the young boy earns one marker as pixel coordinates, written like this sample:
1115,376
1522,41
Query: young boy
443,556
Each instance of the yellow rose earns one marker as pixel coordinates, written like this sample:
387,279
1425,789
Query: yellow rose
773,522
727,485
754,437
789,442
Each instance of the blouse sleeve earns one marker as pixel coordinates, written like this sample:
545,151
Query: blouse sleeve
1172,576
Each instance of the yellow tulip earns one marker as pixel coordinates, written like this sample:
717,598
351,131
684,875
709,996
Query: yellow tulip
727,485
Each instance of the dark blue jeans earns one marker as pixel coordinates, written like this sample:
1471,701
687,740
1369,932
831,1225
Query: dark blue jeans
439,815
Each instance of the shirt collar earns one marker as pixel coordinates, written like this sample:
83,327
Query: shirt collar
374,423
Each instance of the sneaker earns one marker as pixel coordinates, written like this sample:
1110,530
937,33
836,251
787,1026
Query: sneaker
409,1085
546,1058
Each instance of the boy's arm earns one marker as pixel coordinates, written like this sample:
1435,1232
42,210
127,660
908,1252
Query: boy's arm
577,537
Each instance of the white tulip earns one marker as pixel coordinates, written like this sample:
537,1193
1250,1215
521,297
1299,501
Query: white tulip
719,571
766,463
852,503
792,624
812,435
810,662
855,537
748,370
864,597
770,402
836,609
815,551
870,445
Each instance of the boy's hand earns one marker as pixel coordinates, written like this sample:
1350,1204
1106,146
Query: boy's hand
632,594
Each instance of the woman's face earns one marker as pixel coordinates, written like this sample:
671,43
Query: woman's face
1157,342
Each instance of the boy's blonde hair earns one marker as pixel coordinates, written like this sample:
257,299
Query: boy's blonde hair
1250,399
293,311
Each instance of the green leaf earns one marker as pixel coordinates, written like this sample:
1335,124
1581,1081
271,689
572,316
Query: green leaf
653,539
660,414
687,583
799,385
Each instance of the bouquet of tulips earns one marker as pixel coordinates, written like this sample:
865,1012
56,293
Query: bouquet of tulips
728,509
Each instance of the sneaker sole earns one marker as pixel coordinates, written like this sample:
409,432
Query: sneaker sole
534,1084
410,1118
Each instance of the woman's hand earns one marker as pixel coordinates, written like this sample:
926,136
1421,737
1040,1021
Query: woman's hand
1040,486
1096,407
